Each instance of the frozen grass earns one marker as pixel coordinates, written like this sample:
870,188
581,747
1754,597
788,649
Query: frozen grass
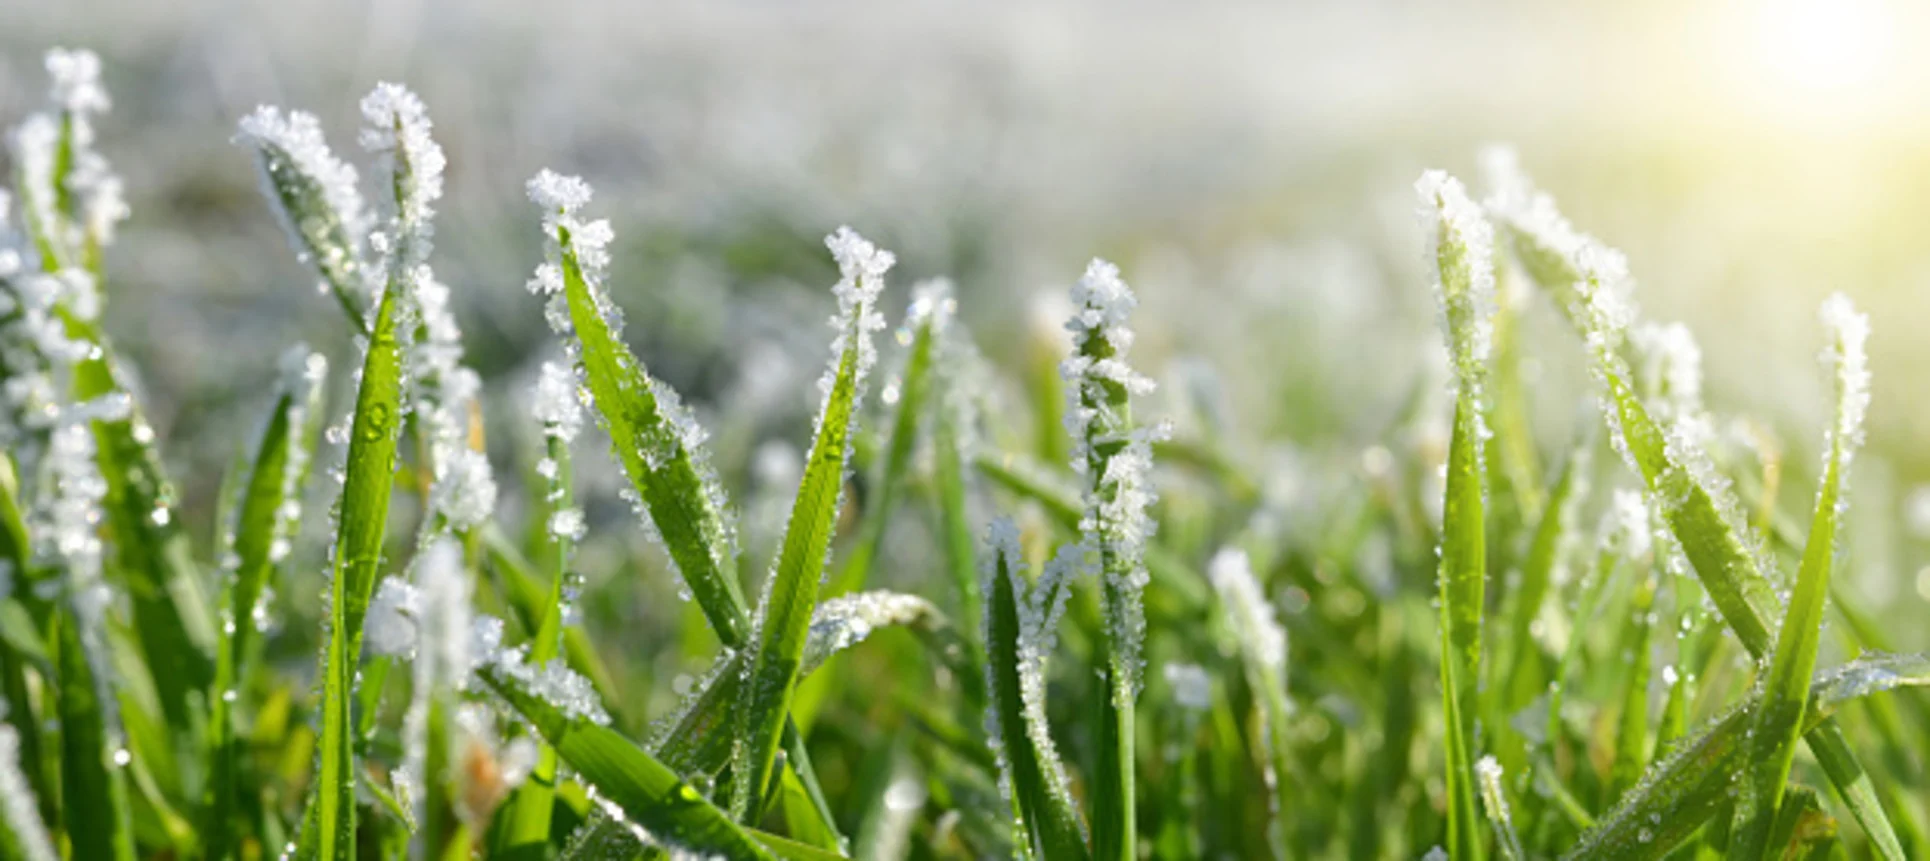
1472,672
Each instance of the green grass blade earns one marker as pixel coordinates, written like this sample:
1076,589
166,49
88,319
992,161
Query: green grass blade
263,526
1546,550
1785,688
151,546
954,516
1632,729
1459,244
1045,823
1590,282
1693,783
646,791
792,590
93,763
930,312
362,520
657,443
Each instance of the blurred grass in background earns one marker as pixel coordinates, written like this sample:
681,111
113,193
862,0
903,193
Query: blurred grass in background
1249,168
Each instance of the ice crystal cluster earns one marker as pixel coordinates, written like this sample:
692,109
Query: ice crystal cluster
1460,257
552,682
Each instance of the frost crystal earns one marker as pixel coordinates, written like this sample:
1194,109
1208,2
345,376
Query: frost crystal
390,626
556,403
17,806
1248,610
553,682
1626,526
1849,330
861,270
567,524
846,621
1672,366
567,235
1460,254
1495,799
443,392
314,195
1192,687
398,131
442,659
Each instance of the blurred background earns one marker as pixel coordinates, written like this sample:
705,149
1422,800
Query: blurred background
1248,166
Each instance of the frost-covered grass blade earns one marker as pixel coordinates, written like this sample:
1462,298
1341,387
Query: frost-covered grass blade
656,441
1785,692
1017,643
646,793
784,617
1459,243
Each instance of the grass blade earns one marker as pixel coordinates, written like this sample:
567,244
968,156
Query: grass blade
1459,244
93,752
950,456
263,527
1546,552
1045,823
646,792
1775,733
791,592
361,524
1115,462
1263,652
654,438
1494,802
931,309
314,196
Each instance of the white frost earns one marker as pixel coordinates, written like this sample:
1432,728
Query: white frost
1849,331
17,806
1460,256
1247,610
